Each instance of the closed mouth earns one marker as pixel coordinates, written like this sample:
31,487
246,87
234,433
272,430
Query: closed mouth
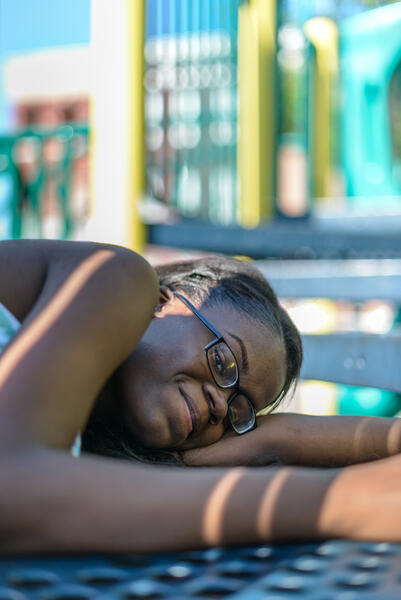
195,418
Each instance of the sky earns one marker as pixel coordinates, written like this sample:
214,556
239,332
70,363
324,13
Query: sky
33,24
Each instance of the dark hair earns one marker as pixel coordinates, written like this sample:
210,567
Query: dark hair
210,281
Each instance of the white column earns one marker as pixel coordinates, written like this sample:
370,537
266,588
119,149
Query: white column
117,172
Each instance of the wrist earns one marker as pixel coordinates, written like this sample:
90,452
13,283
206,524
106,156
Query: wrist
344,507
292,505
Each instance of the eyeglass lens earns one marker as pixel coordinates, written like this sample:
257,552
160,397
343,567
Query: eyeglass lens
241,414
222,364
224,369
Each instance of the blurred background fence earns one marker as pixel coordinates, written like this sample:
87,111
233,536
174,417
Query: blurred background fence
43,182
191,107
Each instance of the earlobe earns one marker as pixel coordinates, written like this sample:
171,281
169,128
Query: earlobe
166,296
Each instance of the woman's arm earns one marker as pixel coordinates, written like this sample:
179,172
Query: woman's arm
51,502
92,306
293,439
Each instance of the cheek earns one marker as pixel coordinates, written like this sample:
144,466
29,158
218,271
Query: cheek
136,381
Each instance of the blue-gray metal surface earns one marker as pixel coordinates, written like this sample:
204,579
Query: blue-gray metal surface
333,570
362,359
354,280
352,358
307,239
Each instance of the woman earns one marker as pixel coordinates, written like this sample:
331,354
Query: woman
181,367
203,371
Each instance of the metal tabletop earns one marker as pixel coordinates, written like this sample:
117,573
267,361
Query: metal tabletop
332,570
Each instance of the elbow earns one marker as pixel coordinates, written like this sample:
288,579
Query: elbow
31,502
17,505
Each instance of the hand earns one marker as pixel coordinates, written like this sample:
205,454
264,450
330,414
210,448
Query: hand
255,448
364,502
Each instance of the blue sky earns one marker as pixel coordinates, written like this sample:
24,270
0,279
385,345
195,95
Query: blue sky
32,24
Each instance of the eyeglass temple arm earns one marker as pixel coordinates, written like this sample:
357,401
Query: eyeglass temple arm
197,313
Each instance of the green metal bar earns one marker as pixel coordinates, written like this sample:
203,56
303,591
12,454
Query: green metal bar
28,196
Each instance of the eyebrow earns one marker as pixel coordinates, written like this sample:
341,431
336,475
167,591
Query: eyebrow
244,354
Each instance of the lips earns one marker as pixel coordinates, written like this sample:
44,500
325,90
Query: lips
195,417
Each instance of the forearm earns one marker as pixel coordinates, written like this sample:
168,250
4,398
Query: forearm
334,441
294,439
51,502
364,502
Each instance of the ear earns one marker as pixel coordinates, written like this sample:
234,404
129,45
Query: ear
166,300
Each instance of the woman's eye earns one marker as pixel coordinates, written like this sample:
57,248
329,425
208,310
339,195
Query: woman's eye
219,361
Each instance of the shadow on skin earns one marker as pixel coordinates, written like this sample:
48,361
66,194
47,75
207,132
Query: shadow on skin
213,519
287,507
49,315
287,503
393,438
270,499
364,432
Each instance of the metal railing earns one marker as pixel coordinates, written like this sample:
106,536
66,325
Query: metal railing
43,181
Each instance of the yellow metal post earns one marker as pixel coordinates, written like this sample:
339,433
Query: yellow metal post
117,122
257,130
323,34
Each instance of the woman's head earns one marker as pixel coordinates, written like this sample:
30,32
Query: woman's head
169,395
222,281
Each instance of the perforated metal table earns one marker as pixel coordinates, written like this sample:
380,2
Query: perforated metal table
333,570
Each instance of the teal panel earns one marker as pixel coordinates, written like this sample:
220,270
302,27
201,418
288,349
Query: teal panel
23,197
367,402
370,49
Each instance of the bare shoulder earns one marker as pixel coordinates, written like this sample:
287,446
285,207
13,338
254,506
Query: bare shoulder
26,265
24,268
83,307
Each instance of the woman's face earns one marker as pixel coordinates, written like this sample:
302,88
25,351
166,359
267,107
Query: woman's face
169,397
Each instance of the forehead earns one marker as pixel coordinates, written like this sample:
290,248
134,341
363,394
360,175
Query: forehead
264,350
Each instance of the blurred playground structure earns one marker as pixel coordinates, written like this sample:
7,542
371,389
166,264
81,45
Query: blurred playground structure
253,127
241,111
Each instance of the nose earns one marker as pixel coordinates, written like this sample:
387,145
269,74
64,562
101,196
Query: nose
217,400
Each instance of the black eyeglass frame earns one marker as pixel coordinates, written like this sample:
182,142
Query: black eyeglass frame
218,339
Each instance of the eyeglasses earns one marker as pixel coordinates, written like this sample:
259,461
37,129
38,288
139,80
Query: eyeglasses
224,370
